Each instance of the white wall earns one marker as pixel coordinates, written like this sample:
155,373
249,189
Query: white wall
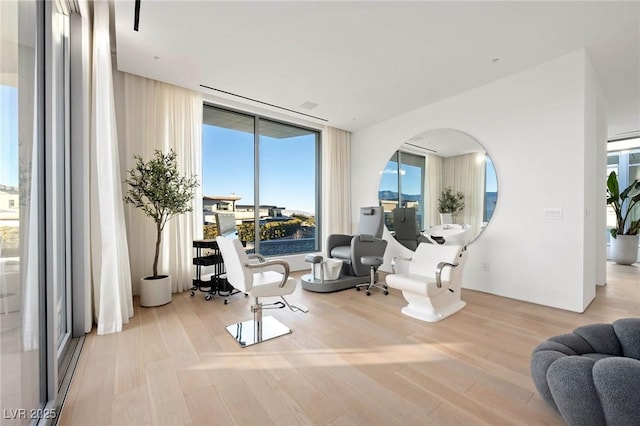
595,181
533,126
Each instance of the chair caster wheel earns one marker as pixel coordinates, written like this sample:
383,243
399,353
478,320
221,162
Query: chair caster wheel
208,297
357,288
386,292
226,302
192,294
368,293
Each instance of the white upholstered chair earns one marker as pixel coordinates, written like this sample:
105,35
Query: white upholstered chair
250,277
430,281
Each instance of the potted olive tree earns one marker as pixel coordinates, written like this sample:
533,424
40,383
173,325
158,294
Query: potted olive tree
624,242
161,192
449,204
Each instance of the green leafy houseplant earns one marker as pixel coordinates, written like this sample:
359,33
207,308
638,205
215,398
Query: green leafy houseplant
616,199
160,191
450,201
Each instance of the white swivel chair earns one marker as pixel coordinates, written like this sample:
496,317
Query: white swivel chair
251,278
430,281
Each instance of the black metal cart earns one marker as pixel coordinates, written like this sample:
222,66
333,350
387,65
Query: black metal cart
214,282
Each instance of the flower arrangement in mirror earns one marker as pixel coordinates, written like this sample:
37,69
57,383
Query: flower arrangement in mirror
450,201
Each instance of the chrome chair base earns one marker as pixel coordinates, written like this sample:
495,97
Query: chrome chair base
374,262
250,332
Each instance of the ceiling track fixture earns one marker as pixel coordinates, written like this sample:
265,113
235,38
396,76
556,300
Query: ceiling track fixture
634,134
136,15
628,133
421,147
263,103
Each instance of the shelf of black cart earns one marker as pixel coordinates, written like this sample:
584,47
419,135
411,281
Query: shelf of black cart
211,259
205,244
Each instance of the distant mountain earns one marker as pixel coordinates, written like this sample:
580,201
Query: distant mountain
393,195
299,212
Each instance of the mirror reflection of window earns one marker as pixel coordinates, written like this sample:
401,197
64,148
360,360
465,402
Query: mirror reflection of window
402,185
490,190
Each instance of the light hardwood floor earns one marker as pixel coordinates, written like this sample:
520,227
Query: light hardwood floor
352,359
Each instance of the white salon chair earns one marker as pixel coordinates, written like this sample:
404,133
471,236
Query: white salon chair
430,281
250,277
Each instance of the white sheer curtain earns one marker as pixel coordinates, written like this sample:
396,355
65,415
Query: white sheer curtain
433,188
113,304
29,204
465,173
162,116
336,181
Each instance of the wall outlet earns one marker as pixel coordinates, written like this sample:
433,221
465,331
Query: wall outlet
553,214
485,266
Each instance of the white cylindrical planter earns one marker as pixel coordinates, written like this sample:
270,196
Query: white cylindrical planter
446,218
624,249
155,292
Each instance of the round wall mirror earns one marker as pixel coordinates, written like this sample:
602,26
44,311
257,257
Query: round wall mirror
440,186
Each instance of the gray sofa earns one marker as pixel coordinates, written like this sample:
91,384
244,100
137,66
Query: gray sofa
592,375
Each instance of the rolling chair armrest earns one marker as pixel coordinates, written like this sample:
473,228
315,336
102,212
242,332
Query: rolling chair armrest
439,269
275,262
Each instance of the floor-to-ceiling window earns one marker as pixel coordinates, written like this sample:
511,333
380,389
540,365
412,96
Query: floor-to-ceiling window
623,158
35,244
22,317
266,174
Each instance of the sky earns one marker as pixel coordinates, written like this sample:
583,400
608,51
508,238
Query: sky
287,168
8,136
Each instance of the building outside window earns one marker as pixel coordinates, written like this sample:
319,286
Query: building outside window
265,173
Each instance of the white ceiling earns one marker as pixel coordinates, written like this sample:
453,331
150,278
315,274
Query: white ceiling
364,62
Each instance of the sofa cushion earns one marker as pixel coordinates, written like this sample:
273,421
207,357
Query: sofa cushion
601,337
571,384
628,332
573,341
617,380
